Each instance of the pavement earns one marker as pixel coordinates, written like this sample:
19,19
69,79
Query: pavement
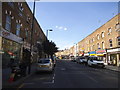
5,77
113,68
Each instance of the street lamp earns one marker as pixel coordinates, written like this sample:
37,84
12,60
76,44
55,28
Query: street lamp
47,32
33,18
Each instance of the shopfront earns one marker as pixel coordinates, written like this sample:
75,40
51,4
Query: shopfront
114,56
11,47
102,54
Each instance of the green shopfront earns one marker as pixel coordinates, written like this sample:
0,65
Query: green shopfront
10,47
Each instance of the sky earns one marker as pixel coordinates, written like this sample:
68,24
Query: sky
72,21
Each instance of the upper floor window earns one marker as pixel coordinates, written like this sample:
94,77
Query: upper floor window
20,14
98,45
98,37
118,40
11,4
8,22
117,26
28,19
93,47
110,42
18,29
109,31
103,45
102,34
35,31
93,39
20,6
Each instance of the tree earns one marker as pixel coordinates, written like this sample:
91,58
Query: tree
49,47
40,49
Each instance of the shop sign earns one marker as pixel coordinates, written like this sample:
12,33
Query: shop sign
86,54
10,36
93,53
101,52
114,50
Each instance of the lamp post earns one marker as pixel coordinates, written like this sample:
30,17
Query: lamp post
47,32
29,67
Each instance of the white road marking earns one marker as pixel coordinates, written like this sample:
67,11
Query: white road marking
20,86
28,83
92,79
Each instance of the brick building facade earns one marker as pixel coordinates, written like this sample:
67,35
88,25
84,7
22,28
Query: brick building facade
104,42
16,26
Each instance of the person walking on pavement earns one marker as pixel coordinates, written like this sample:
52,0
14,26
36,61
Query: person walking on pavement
23,67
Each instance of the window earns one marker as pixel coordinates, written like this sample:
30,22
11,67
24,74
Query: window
117,26
20,6
11,4
28,19
20,14
98,45
93,39
8,23
118,40
93,47
18,29
102,34
26,33
103,45
98,37
110,42
109,31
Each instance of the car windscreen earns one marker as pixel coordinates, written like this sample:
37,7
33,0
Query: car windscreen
43,61
97,58
82,57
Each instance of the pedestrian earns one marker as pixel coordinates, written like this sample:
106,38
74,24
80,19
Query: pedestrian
23,68
12,63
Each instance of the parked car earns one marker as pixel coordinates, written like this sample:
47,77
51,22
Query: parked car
79,60
84,60
95,61
45,64
72,58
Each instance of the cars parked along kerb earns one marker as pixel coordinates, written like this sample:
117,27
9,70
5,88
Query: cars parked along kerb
45,64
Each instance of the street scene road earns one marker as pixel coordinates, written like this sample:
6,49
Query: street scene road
69,74
58,44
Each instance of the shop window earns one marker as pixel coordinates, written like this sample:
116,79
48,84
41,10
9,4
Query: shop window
8,22
18,29
109,31
110,42
118,40
102,34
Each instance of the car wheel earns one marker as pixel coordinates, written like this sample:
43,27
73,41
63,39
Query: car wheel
103,66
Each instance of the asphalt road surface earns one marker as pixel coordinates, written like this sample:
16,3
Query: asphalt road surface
69,74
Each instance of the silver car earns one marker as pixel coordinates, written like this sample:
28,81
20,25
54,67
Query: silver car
45,64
